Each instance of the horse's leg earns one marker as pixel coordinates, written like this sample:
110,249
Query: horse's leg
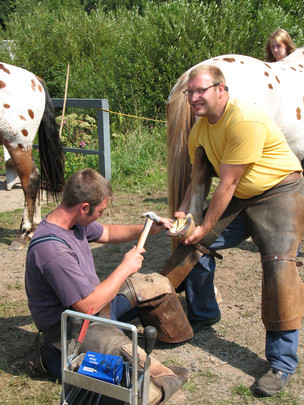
201,182
30,181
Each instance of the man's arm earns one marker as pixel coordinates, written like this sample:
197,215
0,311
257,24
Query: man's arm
120,233
230,176
132,262
127,233
106,291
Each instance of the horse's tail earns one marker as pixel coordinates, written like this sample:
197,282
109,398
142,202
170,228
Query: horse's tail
50,150
180,119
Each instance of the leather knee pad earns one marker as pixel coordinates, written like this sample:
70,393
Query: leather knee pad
158,306
282,295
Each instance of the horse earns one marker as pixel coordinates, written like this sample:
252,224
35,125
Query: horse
25,108
277,88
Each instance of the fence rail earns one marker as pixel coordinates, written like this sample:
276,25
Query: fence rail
103,130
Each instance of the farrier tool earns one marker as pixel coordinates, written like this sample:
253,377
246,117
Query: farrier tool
78,340
149,340
151,216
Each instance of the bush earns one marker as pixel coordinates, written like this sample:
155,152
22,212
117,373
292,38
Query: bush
134,56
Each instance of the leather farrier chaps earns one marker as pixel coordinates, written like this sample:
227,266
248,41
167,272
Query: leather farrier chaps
275,220
276,224
158,306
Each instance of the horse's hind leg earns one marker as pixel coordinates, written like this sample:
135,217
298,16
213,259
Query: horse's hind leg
30,181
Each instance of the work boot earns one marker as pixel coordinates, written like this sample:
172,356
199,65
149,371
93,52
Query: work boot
197,325
272,382
35,367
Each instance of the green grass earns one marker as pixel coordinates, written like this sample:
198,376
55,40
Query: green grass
139,159
244,392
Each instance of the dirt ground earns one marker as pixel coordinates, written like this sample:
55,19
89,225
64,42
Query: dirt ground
223,360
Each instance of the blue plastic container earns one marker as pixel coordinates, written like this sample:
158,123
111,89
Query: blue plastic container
103,367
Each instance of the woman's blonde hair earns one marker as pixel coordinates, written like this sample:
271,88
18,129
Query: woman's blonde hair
282,36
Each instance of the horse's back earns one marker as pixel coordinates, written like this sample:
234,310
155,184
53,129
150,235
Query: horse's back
22,103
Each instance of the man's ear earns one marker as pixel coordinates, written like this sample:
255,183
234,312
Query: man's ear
84,208
223,90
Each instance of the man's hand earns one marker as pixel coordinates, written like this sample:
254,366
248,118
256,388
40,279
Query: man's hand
197,235
158,226
133,260
230,176
179,214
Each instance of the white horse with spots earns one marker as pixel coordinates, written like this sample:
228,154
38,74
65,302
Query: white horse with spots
25,108
277,88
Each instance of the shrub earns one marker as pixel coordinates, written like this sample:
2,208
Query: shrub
134,56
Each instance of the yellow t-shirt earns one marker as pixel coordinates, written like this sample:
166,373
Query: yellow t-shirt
245,135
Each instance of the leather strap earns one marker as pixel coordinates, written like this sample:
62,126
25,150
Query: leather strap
272,258
209,252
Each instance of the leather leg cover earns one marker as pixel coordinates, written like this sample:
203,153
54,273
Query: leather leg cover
276,223
282,296
160,307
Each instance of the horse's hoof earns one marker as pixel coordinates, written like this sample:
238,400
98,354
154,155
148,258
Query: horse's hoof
17,244
182,228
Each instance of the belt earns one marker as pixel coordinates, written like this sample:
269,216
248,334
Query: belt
291,177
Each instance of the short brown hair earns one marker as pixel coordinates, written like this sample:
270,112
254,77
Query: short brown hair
215,73
86,185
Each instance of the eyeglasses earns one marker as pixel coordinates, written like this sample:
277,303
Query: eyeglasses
199,92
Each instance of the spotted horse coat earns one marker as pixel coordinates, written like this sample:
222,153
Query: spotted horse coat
277,88
25,108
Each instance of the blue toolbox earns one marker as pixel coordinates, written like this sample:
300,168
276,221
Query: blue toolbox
103,367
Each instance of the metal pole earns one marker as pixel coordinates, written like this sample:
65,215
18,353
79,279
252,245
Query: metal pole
103,128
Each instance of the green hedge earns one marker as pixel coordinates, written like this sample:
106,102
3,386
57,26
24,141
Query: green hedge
133,56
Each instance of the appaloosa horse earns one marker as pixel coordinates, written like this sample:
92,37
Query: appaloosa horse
277,87
25,108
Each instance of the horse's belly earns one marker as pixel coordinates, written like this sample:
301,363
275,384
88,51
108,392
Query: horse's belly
22,103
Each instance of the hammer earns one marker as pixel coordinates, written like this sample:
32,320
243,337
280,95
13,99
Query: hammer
151,216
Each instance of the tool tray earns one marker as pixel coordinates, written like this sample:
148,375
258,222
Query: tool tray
70,376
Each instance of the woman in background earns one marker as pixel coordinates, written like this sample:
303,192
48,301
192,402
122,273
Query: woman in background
279,45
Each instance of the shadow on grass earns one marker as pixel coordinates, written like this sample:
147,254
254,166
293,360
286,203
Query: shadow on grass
163,200
7,235
16,343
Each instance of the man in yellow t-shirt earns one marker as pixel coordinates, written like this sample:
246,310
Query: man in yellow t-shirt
257,169
245,135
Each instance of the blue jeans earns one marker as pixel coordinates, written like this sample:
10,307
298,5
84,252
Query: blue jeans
121,309
281,347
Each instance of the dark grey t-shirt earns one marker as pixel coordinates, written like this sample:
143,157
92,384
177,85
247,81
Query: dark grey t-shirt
57,276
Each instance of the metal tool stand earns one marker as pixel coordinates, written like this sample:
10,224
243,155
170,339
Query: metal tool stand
129,395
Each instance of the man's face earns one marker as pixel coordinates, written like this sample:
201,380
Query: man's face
205,104
97,213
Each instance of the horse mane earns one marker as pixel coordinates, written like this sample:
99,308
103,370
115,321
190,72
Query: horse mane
180,120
